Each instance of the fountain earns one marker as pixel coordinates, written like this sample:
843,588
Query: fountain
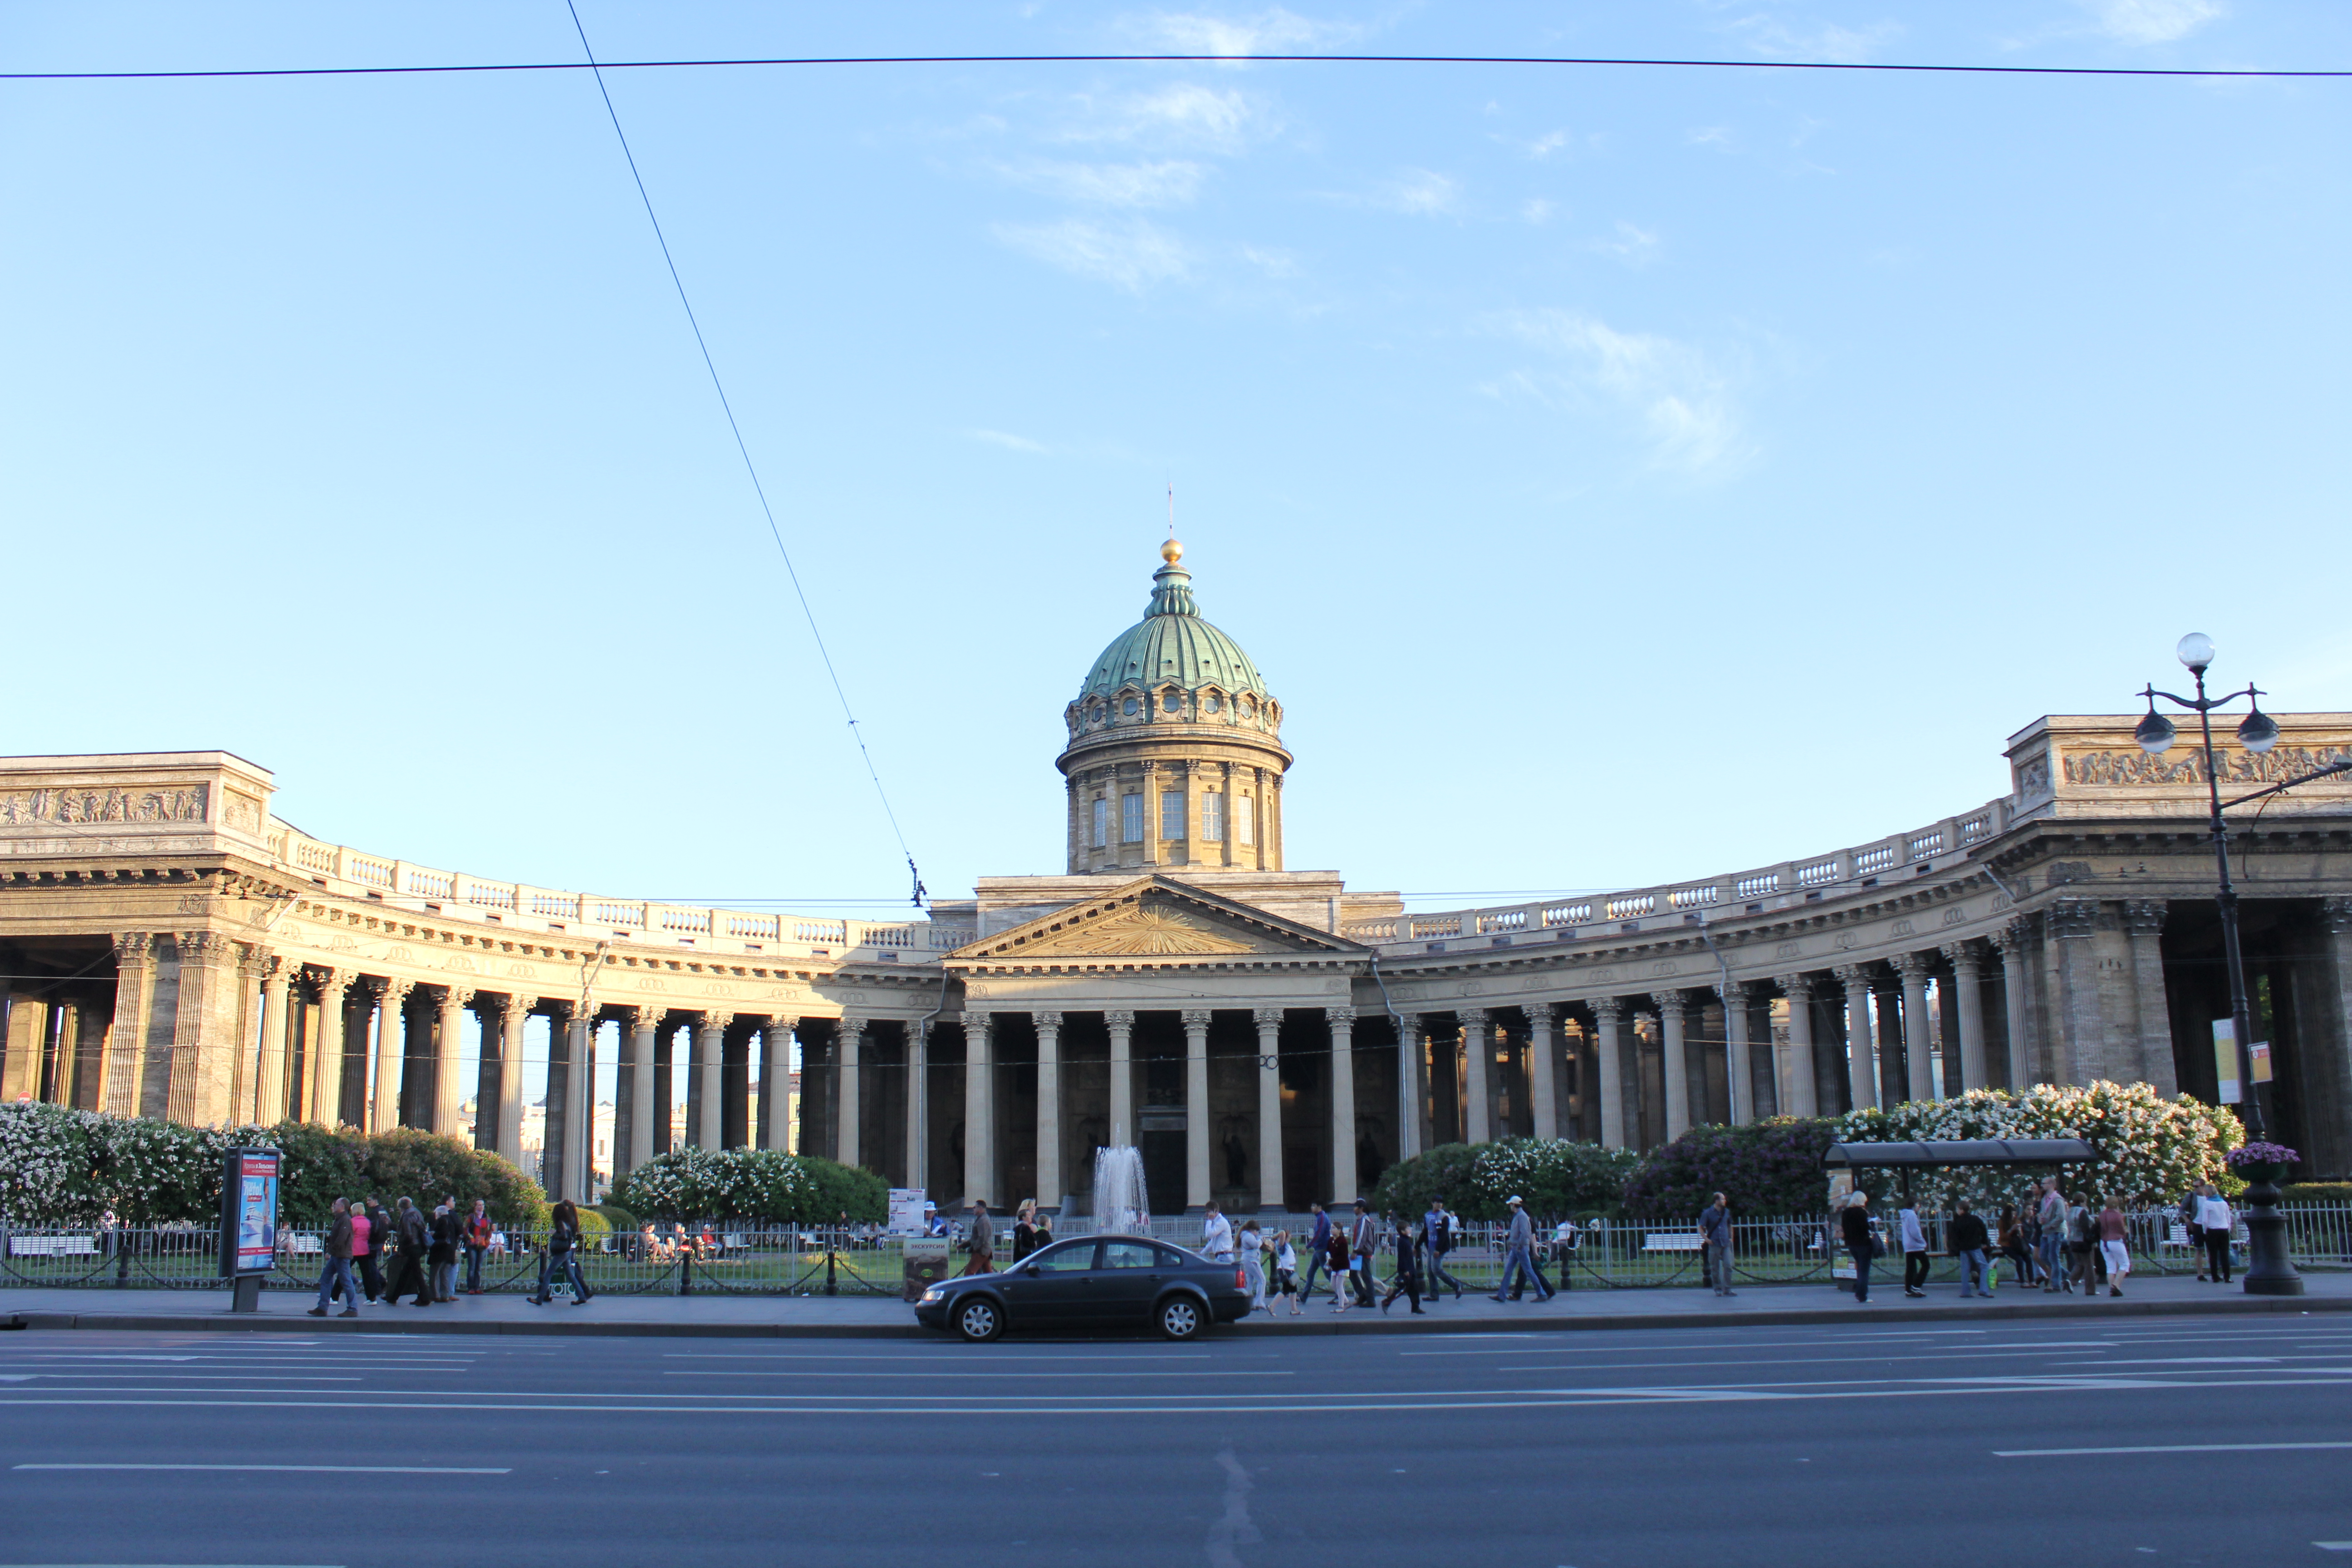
1120,1205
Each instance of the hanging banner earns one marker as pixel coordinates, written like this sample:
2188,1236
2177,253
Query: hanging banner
2225,1060
2261,1052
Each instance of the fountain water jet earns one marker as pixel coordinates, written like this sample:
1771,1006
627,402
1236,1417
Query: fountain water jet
1121,1205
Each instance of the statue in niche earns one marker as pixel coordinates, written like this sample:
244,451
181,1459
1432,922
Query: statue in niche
1236,1159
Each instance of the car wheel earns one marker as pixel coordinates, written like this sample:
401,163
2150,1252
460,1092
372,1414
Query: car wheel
1180,1318
979,1320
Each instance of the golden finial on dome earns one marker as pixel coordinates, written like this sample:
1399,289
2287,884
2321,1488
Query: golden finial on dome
1172,551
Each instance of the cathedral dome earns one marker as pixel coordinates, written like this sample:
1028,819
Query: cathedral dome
1172,646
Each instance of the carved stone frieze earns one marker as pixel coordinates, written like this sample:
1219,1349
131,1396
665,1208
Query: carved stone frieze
102,802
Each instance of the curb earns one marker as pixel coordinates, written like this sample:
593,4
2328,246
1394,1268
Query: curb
2104,1308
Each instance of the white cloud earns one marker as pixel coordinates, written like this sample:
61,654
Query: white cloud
1682,398
1537,209
1170,183
1545,146
1631,243
1418,191
1182,114
1134,256
1272,32
1779,41
1709,136
1011,443
2153,21
1271,262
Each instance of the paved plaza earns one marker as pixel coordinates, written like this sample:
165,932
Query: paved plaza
2085,1441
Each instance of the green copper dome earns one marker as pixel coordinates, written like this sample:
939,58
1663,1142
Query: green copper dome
1173,644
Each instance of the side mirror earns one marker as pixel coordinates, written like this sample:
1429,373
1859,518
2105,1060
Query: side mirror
1030,1270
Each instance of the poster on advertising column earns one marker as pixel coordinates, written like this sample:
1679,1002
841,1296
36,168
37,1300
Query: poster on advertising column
2225,1060
906,1211
248,1212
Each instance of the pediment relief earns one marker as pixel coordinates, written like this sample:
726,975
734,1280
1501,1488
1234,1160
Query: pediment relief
1154,921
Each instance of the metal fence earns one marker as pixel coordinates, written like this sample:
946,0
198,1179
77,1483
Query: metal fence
858,1261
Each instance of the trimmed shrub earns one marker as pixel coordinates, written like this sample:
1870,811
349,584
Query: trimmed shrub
620,1219
750,1184
2317,1191
1769,1167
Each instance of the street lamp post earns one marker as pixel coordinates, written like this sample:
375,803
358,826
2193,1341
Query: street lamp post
2271,1271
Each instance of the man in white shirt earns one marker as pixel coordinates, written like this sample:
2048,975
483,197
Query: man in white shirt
2053,1234
1217,1235
2214,1219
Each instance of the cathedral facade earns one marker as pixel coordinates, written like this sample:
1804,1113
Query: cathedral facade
1265,1035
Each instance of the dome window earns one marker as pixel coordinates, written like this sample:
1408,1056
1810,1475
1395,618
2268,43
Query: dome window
1212,702
1249,707
1172,702
1128,707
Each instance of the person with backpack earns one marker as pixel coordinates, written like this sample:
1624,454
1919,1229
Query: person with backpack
2081,1248
562,1259
1363,1246
1318,1248
441,1253
1854,1230
1407,1280
1437,1236
414,1241
336,1270
1335,1257
478,1233
1286,1273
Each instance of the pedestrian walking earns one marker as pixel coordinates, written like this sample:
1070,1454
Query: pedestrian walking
441,1250
1363,1245
2010,1237
479,1232
2192,1227
1406,1281
1914,1237
1965,1236
1437,1237
409,1276
2113,1246
1216,1235
983,1243
1024,1229
335,1271
1286,1273
2082,1248
1318,1250
1336,1247
2216,1221
1714,1235
1251,1256
2052,1215
363,1257
1854,1230
562,1259
1517,1268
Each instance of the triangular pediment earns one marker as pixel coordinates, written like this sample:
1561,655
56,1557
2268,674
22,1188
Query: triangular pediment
1156,918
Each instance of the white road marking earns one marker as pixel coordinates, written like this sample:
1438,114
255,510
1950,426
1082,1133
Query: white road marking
336,1469
1252,1372
2162,1449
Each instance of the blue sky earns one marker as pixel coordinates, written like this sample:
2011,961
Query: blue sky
1620,475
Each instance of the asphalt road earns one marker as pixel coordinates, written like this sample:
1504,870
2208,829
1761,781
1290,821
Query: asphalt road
2179,1439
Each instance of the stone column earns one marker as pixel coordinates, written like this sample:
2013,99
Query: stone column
775,1079
2009,948
1609,1051
556,1136
1737,1066
642,1023
1919,1078
1794,1064
1412,1092
845,1093
2144,925
579,1105
1121,1023
918,1085
1049,1109
1273,834
1188,775
980,1108
2329,1050
1340,1023
1861,1061
512,1022
448,1090
1672,1006
391,1044
1269,1110
134,994
269,1076
709,1053
1967,989
204,1050
2081,1035
1153,848
328,1048
1196,1110
1477,1075
1543,1069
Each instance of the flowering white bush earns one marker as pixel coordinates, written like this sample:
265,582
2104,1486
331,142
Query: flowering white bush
750,1183
62,1167
2149,1148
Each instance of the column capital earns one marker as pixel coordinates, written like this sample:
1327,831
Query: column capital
2144,916
1264,1017
852,1024
1608,1009
1963,956
391,991
519,1005
2011,937
133,946
1734,992
1852,974
1470,1017
713,1018
2336,915
1047,1020
456,995
2071,920
1196,1017
643,1017
786,1022
1671,1003
1120,1019
1913,966
1796,987
204,946
1340,1017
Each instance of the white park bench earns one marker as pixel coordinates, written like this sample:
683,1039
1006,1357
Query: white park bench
304,1246
53,1246
1671,1241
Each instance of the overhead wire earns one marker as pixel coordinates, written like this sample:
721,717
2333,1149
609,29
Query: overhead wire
743,448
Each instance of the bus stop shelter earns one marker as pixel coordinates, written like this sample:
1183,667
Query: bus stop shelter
1909,1157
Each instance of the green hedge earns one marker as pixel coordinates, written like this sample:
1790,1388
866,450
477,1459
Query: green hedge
1555,1175
696,1185
1769,1167
61,1167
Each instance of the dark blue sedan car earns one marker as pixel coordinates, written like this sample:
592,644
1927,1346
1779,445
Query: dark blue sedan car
1092,1281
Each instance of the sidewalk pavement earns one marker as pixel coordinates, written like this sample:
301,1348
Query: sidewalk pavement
870,1317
